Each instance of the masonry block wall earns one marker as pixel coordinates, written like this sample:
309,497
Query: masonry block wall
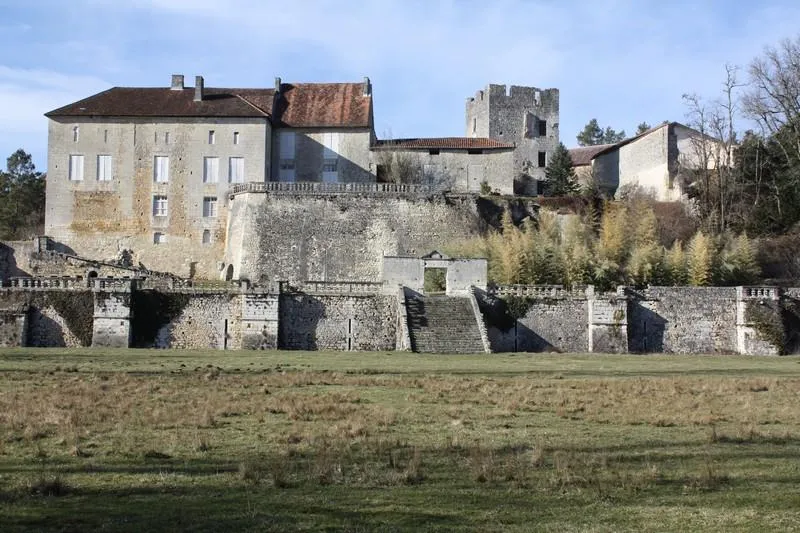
96,218
528,116
111,326
548,325
683,320
454,170
316,322
340,237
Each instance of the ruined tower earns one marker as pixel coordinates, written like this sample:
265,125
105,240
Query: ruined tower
525,116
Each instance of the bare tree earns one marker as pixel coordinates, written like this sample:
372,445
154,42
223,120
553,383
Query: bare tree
774,96
712,161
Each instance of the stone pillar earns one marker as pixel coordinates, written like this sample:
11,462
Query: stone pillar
608,323
112,313
762,305
260,320
13,328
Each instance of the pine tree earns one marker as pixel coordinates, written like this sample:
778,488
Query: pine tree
560,174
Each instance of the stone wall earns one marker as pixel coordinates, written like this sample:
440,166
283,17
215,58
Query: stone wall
683,320
96,218
513,116
340,236
454,170
548,324
329,322
206,321
352,161
14,258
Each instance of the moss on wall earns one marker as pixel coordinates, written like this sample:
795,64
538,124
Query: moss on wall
77,310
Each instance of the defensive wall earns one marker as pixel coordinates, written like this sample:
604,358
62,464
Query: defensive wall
319,231
169,313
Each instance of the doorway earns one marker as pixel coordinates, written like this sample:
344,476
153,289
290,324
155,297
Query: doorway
435,280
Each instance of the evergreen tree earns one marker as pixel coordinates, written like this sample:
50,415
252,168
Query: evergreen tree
593,134
642,127
22,196
560,174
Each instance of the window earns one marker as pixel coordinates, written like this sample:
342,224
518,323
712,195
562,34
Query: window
330,157
542,159
159,238
330,140
104,171
236,170
210,169
105,136
287,151
76,167
433,151
212,137
235,137
161,169
166,137
159,206
155,137
210,206
474,151
75,134
474,125
542,128
206,236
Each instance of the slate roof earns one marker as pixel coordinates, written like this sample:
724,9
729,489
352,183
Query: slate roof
304,105
445,143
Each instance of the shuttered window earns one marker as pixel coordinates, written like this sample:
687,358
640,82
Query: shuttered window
76,167
236,170
210,169
161,169
104,171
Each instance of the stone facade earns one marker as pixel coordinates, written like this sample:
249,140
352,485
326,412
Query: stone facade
525,116
367,316
654,161
98,217
340,237
349,157
338,322
467,170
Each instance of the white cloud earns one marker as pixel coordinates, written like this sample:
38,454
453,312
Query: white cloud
26,95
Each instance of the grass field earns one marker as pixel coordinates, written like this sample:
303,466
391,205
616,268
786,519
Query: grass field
297,441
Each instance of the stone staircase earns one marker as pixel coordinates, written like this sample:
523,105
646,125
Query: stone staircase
442,324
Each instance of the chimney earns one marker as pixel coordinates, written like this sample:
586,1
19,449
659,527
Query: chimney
277,84
177,82
367,87
198,88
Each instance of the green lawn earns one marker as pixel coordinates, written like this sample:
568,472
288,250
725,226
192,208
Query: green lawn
140,440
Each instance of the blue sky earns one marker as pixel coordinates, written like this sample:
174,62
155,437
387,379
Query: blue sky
623,61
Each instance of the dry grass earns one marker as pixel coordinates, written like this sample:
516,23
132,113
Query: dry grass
428,439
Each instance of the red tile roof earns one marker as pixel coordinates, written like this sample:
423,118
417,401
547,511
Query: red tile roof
445,143
305,105
309,105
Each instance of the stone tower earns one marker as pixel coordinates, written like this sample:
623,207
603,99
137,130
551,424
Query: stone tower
525,116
